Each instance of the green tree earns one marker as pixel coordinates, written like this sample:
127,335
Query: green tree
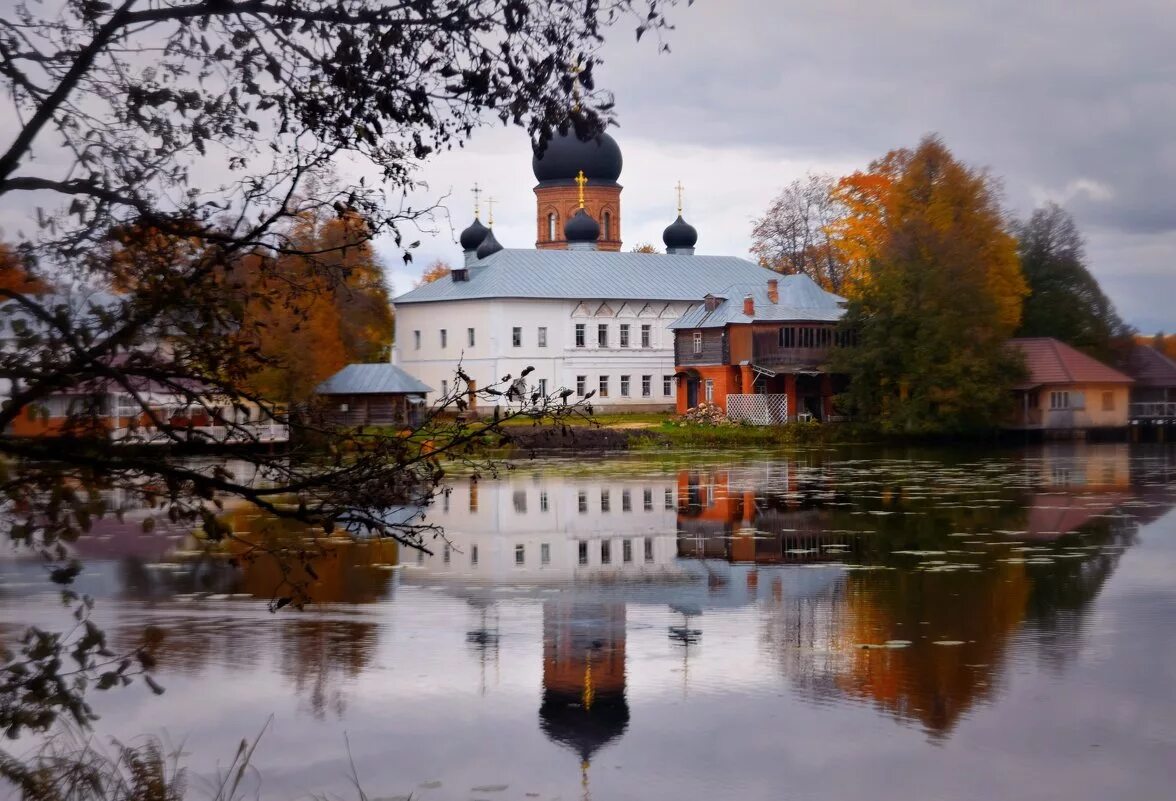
1065,300
943,295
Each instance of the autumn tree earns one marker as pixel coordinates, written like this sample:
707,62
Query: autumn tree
204,122
795,233
644,247
1065,300
437,270
943,295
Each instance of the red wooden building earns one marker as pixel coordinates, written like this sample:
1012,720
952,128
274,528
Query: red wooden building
761,352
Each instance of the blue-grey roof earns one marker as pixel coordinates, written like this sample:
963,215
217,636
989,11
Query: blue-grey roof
372,379
592,274
798,299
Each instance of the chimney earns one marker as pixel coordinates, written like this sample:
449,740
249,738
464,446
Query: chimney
773,291
711,302
749,305
460,274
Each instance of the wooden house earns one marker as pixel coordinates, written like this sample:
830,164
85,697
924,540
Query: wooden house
1066,390
1153,395
760,352
372,394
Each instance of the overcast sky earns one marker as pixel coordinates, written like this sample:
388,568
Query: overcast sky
1070,100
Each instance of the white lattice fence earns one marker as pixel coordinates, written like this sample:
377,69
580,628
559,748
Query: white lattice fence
760,410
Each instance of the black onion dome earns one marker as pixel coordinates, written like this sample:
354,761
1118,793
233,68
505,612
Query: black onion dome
566,154
489,245
581,228
473,236
679,234
565,720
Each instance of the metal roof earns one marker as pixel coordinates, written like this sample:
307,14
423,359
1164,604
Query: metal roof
1150,368
1049,361
798,299
592,274
372,379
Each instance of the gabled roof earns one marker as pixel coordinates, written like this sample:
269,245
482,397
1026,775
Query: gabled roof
1049,361
371,379
1150,368
592,274
798,299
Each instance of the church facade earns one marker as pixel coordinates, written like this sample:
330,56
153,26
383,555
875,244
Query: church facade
586,316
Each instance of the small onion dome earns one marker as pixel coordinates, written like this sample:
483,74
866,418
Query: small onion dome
489,245
581,228
567,154
473,236
679,234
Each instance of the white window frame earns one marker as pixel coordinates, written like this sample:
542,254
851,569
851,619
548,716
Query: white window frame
541,336
624,335
581,335
602,386
625,382
516,336
444,338
646,335
602,335
697,342
647,386
470,336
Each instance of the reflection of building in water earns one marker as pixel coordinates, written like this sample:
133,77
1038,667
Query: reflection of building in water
764,515
584,706
525,530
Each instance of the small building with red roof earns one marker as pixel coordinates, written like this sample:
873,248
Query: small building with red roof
1066,390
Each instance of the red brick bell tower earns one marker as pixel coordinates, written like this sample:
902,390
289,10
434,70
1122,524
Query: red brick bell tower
557,196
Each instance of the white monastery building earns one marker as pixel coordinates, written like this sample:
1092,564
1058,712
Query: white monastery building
584,314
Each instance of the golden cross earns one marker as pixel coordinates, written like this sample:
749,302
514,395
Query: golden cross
490,202
477,194
580,181
679,187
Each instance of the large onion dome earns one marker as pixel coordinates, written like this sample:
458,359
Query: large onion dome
679,235
489,245
581,228
472,236
567,154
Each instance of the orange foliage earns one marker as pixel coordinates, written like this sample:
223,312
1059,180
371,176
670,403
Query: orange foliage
14,275
435,272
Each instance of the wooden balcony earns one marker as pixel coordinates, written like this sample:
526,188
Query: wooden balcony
1158,410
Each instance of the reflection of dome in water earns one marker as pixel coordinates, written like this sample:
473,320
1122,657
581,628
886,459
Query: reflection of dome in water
565,720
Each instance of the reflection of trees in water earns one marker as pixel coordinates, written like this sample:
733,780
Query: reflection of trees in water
319,656
816,637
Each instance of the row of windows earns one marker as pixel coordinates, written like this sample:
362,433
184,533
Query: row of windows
603,386
809,337
520,553
519,499
602,335
626,501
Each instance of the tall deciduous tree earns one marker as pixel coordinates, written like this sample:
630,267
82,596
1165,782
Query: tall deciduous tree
943,294
1065,300
794,235
201,121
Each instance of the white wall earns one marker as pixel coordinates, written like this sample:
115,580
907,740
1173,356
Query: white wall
510,513
560,362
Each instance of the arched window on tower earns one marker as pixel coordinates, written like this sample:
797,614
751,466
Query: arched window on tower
551,221
607,226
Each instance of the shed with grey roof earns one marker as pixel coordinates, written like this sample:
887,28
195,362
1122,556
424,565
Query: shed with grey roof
372,394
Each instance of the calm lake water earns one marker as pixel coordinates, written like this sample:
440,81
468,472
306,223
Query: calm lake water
829,624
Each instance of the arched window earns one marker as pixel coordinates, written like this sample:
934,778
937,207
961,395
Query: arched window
551,220
607,226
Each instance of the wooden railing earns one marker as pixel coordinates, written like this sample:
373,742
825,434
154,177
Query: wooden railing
1151,411
770,354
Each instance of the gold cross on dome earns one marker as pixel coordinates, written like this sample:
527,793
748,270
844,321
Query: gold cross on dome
680,189
490,203
477,195
580,181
